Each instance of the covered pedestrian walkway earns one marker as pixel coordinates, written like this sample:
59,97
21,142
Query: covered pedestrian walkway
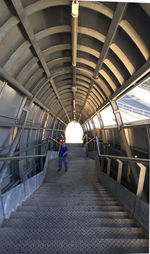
65,61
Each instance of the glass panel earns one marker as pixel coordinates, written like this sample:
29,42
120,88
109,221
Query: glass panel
87,124
108,116
135,105
91,125
96,122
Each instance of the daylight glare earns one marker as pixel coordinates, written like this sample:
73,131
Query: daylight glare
74,133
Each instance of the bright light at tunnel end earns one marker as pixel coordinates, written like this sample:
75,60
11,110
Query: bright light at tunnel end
74,133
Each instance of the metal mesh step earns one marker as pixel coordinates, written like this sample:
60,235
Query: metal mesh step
107,246
70,214
71,222
58,198
70,233
70,203
74,208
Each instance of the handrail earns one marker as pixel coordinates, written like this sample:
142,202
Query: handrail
24,149
22,157
139,161
89,141
54,140
145,161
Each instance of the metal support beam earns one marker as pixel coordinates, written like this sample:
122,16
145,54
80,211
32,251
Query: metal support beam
141,179
97,143
120,164
58,97
16,55
18,87
24,20
10,153
129,153
140,73
10,23
120,9
13,83
93,124
117,114
108,166
100,120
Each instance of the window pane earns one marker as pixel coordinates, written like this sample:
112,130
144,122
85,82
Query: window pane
85,127
87,124
96,122
91,125
108,116
135,105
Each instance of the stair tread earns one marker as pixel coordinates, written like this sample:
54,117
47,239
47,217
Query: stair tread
94,246
71,214
86,230
72,208
59,234
72,222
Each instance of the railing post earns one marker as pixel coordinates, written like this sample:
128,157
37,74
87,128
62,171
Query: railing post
102,163
120,163
141,179
108,166
22,175
1,201
97,143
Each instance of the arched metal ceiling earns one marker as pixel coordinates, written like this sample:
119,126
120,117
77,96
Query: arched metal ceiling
38,47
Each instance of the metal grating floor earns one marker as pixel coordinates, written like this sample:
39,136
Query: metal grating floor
71,213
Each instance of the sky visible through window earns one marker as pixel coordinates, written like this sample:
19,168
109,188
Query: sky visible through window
135,105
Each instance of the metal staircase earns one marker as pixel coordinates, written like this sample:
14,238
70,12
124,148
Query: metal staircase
71,213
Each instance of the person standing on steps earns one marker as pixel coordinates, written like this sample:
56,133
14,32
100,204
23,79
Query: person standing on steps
63,154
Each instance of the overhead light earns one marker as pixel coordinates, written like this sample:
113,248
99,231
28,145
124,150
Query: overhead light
75,9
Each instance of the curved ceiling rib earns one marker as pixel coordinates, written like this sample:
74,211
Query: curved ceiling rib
22,15
112,53
120,9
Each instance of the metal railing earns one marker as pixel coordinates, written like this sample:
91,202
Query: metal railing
30,160
45,141
140,162
8,158
88,142
9,180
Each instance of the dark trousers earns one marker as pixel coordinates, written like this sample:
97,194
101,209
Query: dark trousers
61,160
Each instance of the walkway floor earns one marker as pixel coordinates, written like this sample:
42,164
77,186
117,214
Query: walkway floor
71,213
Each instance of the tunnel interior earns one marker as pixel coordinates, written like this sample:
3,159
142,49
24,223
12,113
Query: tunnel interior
64,62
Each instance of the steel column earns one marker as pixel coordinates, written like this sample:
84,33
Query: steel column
120,164
141,179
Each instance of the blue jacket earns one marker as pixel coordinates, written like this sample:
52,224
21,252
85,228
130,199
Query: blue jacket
62,151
